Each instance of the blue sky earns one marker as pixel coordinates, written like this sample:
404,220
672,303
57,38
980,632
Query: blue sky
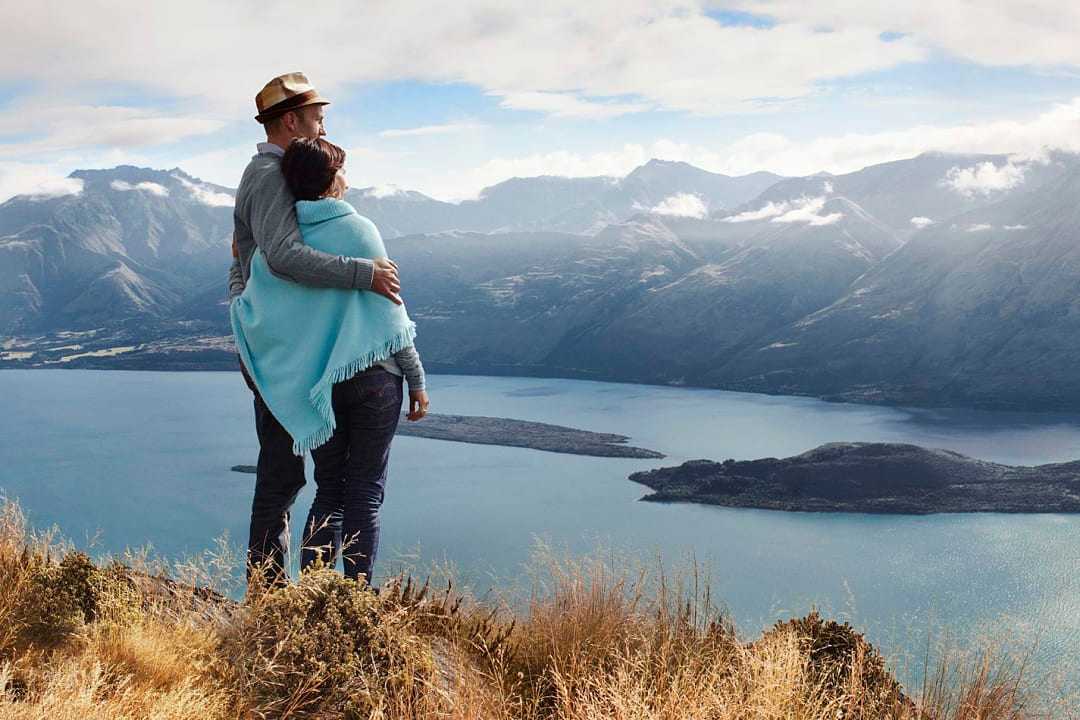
449,102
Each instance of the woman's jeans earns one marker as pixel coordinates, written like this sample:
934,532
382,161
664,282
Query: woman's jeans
350,472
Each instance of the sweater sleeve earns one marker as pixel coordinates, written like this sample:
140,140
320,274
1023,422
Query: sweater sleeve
276,232
236,279
409,362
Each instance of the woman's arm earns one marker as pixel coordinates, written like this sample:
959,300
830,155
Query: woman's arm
409,362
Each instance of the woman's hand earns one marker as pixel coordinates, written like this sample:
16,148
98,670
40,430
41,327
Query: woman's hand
418,404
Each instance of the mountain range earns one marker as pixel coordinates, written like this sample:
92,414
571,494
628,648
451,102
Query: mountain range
941,279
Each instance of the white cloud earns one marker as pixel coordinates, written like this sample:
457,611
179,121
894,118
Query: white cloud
44,125
223,166
804,210
979,227
1057,128
564,58
1033,32
768,210
665,53
447,129
807,210
382,191
42,181
921,222
828,188
57,187
682,205
617,163
151,187
211,198
206,195
566,105
1016,227
984,178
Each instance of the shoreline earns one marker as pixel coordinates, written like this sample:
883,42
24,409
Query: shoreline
584,376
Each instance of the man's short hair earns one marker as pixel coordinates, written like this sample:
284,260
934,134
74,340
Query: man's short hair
274,124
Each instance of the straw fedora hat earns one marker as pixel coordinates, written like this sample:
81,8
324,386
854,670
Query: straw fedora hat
284,93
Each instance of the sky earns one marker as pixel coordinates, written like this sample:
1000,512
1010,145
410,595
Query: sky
450,98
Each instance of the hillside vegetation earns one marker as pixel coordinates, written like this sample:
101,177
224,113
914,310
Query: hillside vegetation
86,641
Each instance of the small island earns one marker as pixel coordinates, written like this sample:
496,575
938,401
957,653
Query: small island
516,433
870,478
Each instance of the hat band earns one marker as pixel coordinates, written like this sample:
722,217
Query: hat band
287,104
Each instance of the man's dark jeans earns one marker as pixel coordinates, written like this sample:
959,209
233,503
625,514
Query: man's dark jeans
350,471
279,477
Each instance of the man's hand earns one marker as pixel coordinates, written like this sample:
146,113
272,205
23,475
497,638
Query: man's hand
385,280
418,404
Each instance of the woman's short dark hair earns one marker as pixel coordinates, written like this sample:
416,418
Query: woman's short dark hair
309,167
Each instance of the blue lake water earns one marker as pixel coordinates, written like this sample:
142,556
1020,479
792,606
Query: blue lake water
126,459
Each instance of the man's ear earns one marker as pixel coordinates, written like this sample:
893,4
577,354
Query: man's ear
289,122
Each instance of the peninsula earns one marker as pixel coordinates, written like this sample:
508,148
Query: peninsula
483,430
870,478
524,434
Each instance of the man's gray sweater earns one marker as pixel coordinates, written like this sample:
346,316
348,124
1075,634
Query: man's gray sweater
264,217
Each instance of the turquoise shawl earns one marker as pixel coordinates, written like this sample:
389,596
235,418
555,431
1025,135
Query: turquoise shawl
297,341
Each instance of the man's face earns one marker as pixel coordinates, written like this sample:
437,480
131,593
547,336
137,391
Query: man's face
309,122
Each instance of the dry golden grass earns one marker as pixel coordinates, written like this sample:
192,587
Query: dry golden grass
591,640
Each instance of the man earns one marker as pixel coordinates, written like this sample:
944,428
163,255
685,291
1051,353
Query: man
265,218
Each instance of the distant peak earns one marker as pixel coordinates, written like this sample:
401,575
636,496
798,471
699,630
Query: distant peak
124,173
657,162
180,173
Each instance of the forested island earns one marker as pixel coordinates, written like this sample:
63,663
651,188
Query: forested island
870,478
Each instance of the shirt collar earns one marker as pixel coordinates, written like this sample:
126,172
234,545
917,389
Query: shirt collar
269,149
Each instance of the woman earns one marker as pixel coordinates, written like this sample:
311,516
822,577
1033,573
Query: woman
329,363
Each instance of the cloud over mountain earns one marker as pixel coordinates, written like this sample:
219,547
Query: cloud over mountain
984,178
817,294
681,205
204,194
800,210
146,186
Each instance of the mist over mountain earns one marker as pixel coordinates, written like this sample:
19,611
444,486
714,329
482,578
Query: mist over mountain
942,279
982,309
574,205
133,242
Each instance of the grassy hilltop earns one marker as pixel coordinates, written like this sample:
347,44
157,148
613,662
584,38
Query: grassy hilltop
86,641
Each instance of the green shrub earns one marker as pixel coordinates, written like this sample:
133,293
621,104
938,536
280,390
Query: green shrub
63,597
324,648
846,665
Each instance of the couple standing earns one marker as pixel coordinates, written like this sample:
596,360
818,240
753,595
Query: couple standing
323,338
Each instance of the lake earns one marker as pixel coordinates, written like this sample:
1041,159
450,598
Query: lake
127,459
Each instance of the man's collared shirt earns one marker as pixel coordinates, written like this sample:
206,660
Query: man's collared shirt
270,148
